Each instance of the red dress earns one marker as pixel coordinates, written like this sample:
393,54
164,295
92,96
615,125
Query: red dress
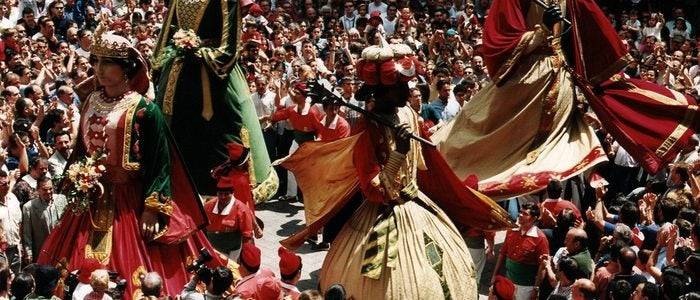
139,166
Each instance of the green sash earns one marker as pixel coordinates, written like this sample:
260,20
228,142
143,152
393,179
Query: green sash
225,242
520,273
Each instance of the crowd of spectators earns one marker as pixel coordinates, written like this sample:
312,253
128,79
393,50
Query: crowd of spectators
641,237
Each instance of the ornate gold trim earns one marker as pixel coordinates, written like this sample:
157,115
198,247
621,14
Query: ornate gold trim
128,127
654,95
266,189
182,16
677,133
245,139
171,86
153,203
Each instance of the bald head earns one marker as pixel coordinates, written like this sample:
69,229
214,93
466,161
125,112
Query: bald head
576,240
627,260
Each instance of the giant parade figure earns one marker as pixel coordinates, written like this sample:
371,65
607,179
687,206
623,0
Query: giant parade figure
527,126
132,205
203,93
401,243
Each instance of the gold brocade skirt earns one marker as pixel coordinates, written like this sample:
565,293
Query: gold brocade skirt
432,260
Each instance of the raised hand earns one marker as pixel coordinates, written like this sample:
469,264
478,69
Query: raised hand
403,138
551,16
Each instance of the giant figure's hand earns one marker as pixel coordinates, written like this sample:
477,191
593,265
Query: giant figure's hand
403,138
551,16
149,225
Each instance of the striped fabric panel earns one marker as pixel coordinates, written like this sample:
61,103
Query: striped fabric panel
381,244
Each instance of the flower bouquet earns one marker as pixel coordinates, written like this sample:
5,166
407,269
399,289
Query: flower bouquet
84,179
186,40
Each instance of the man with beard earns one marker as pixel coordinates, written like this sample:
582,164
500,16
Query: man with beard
58,160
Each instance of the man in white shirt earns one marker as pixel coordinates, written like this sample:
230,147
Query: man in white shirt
349,18
10,220
377,5
264,102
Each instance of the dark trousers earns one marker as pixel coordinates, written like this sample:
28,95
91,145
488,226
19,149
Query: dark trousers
13,259
284,142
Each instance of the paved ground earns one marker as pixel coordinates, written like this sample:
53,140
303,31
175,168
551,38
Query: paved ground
282,219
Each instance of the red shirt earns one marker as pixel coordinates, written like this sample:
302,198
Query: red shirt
338,129
247,287
235,216
556,206
306,121
290,290
525,248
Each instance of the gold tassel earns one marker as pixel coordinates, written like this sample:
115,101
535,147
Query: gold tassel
207,111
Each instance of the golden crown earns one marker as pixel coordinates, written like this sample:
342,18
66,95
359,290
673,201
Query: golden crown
107,44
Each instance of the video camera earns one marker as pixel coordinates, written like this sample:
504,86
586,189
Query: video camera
199,266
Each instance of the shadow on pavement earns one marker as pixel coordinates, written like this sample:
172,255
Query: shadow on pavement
309,283
285,207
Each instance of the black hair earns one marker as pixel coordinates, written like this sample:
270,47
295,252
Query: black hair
441,83
669,209
221,280
533,208
629,214
460,88
130,66
43,179
570,268
34,162
20,105
620,289
335,292
554,188
27,10
652,291
688,214
5,275
22,285
53,117
682,254
43,20
289,277
674,282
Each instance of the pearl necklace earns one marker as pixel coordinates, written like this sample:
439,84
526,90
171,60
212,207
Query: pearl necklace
103,105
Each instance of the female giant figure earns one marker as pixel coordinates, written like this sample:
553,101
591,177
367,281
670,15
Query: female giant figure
149,216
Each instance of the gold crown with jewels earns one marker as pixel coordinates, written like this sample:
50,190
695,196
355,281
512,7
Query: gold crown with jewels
108,44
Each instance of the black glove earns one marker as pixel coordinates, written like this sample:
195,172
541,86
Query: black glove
551,16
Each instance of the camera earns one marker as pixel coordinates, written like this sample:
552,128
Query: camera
199,266
70,283
204,257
